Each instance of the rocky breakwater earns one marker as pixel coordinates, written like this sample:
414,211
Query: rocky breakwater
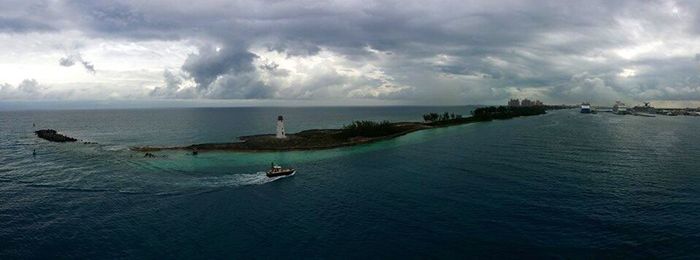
53,136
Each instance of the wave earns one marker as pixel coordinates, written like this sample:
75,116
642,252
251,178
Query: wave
86,189
40,185
192,185
7,170
244,179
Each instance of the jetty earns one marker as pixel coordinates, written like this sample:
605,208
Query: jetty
53,136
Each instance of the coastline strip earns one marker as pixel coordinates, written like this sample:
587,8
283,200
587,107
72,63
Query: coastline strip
320,139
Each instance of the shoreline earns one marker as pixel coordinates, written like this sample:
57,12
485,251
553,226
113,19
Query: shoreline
322,139
232,147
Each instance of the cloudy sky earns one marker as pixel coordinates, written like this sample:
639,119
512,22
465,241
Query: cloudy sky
349,52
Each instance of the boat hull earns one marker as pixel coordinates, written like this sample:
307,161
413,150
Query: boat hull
280,173
586,108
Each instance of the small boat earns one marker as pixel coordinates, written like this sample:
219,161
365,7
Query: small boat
586,108
276,171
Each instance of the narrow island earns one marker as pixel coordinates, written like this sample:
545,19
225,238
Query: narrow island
359,132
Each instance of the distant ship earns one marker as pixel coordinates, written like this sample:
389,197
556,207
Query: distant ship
276,171
619,108
586,108
647,110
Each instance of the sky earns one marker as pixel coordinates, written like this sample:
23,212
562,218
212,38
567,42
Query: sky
348,52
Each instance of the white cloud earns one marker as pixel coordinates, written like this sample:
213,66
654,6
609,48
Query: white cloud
445,52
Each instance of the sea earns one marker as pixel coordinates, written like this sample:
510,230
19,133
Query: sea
559,185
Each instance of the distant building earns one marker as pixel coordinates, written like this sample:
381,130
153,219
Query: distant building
514,103
280,128
524,103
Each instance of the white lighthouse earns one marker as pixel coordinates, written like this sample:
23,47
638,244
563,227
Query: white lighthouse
280,128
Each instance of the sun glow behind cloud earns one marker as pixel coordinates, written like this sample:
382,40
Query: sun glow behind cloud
626,73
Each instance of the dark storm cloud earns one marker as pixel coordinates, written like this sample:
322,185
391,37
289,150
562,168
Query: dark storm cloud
563,49
19,16
210,63
226,73
172,88
19,25
71,59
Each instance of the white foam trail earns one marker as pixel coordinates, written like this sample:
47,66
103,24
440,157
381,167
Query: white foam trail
236,180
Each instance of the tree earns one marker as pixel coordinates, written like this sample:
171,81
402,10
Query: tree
368,129
431,117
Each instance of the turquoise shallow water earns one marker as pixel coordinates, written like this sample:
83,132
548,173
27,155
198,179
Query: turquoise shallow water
557,185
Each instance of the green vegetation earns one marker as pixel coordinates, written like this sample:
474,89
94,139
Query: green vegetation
431,117
482,114
368,129
435,117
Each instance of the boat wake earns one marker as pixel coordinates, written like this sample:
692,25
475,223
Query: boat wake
238,180
255,178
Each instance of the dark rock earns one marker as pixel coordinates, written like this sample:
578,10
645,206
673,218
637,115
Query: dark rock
53,136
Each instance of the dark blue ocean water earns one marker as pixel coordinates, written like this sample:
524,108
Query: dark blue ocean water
557,185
